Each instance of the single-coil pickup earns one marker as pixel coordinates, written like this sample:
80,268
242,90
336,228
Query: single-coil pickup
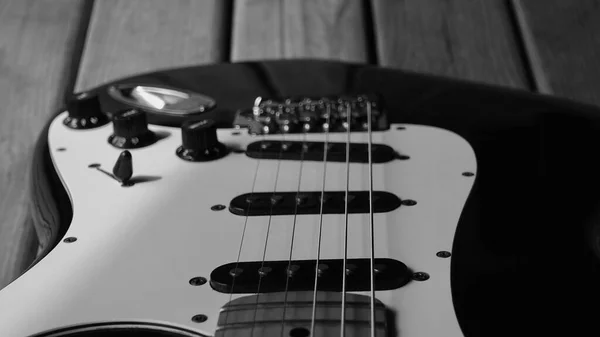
290,203
299,275
316,151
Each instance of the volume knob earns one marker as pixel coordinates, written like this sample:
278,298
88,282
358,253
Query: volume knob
200,142
131,130
84,112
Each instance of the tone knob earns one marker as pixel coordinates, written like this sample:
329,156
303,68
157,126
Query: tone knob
84,112
199,141
130,130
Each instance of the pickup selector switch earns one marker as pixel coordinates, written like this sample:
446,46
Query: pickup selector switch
84,112
199,141
131,130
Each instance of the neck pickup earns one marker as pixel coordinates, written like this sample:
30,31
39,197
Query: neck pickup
316,151
299,275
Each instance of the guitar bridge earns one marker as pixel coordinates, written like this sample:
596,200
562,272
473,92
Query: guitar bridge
313,114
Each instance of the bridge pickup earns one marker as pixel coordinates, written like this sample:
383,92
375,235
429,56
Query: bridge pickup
275,276
290,203
315,151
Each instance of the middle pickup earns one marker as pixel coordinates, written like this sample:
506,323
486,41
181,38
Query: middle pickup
315,151
333,202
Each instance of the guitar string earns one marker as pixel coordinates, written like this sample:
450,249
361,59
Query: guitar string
325,149
239,254
273,201
344,267
372,228
297,200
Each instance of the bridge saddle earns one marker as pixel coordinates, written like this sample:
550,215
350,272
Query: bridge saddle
313,114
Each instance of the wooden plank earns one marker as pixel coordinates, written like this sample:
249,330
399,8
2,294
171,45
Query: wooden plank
562,39
132,36
37,42
330,29
466,39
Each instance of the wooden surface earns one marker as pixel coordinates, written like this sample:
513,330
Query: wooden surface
264,29
466,39
132,36
37,47
50,47
562,39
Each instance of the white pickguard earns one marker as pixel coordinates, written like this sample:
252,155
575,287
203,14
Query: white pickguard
138,247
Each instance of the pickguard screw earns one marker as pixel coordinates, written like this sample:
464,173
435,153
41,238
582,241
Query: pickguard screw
61,149
420,276
197,281
218,207
468,174
94,165
70,239
199,318
400,128
236,272
443,254
408,202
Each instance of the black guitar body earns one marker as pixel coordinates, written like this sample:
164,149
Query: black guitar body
526,254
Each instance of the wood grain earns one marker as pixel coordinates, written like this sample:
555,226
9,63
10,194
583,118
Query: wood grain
37,40
126,37
330,29
472,40
562,39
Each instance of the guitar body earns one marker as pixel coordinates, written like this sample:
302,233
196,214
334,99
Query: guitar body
492,213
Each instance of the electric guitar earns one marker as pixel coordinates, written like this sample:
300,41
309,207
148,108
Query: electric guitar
310,198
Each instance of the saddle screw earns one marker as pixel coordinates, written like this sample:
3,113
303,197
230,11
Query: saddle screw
403,157
400,128
70,239
420,276
468,174
199,318
197,281
218,207
443,254
408,202
236,133
236,272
